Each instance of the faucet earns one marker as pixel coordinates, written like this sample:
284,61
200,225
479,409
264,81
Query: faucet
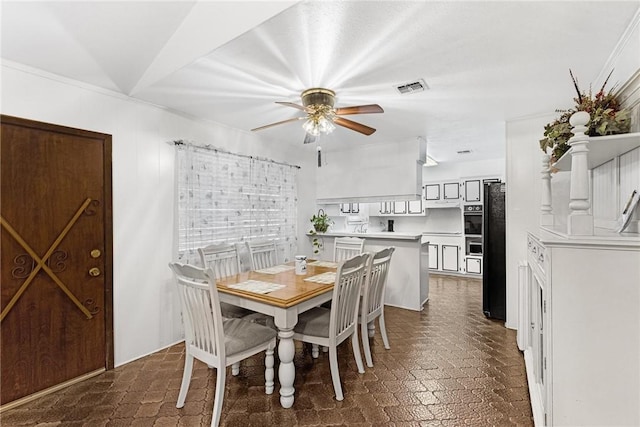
360,228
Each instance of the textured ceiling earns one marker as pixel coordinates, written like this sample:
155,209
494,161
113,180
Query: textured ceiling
484,62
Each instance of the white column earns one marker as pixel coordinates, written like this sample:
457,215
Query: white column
546,214
579,222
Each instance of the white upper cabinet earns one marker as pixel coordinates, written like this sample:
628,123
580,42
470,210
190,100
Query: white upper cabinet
472,190
442,194
451,190
370,173
432,192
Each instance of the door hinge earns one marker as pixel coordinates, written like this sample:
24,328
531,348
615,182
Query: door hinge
545,418
544,306
545,363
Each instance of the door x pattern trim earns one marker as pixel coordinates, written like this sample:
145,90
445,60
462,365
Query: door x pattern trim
41,263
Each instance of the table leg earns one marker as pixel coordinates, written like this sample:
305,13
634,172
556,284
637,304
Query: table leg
286,370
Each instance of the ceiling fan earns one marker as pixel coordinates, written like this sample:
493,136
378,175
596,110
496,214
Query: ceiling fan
322,117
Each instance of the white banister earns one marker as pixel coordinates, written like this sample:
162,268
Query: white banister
546,213
580,221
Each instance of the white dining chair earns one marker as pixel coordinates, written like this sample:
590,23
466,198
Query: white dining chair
263,254
224,260
347,247
372,304
213,340
329,327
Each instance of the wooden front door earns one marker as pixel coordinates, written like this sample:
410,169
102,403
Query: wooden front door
56,256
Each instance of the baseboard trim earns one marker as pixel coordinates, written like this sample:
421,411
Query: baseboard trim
50,390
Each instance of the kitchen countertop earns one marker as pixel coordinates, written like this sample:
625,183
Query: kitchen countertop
374,235
441,233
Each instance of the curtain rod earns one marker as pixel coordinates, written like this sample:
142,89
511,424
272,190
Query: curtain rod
179,142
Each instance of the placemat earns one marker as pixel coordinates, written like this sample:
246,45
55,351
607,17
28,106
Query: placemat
257,286
325,278
276,269
328,264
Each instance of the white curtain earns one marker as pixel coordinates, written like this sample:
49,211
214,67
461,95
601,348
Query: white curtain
229,198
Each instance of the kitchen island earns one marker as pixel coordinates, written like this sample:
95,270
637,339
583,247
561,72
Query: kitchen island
408,281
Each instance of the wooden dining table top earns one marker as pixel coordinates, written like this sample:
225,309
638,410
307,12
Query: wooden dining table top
295,291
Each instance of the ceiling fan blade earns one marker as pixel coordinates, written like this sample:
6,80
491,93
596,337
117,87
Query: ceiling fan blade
358,127
309,139
291,104
359,109
295,119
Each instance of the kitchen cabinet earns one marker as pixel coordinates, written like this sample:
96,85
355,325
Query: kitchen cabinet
472,192
434,251
350,208
450,258
451,191
445,251
414,207
399,208
404,208
473,265
442,194
472,188
386,208
390,171
432,192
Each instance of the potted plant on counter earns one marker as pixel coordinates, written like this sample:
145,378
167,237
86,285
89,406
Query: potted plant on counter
607,118
321,223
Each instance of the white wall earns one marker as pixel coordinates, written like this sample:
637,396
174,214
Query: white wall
454,171
146,310
524,164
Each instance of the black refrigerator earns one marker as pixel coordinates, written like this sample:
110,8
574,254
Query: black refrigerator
494,289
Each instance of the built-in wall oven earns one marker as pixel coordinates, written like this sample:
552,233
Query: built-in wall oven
472,215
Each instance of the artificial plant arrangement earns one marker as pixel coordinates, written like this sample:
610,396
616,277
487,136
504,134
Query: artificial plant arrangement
607,118
321,223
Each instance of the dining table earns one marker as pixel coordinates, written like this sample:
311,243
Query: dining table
281,293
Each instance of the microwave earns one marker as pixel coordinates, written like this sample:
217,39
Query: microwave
474,248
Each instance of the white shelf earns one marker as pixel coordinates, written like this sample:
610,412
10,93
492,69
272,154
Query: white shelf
602,149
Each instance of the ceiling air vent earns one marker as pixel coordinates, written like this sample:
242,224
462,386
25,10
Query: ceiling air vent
417,86
464,152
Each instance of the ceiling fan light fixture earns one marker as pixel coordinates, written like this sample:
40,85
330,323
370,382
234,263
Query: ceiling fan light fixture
318,103
320,119
311,127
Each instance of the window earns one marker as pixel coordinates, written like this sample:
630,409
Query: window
231,198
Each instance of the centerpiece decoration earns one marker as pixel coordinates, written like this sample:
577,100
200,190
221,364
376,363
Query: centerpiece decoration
607,118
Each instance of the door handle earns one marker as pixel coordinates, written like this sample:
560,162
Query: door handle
95,272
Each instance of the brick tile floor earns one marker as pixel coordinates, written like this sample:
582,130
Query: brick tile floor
448,366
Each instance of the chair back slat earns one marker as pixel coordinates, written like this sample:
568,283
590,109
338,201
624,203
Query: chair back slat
347,247
346,296
263,254
201,314
376,281
222,258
